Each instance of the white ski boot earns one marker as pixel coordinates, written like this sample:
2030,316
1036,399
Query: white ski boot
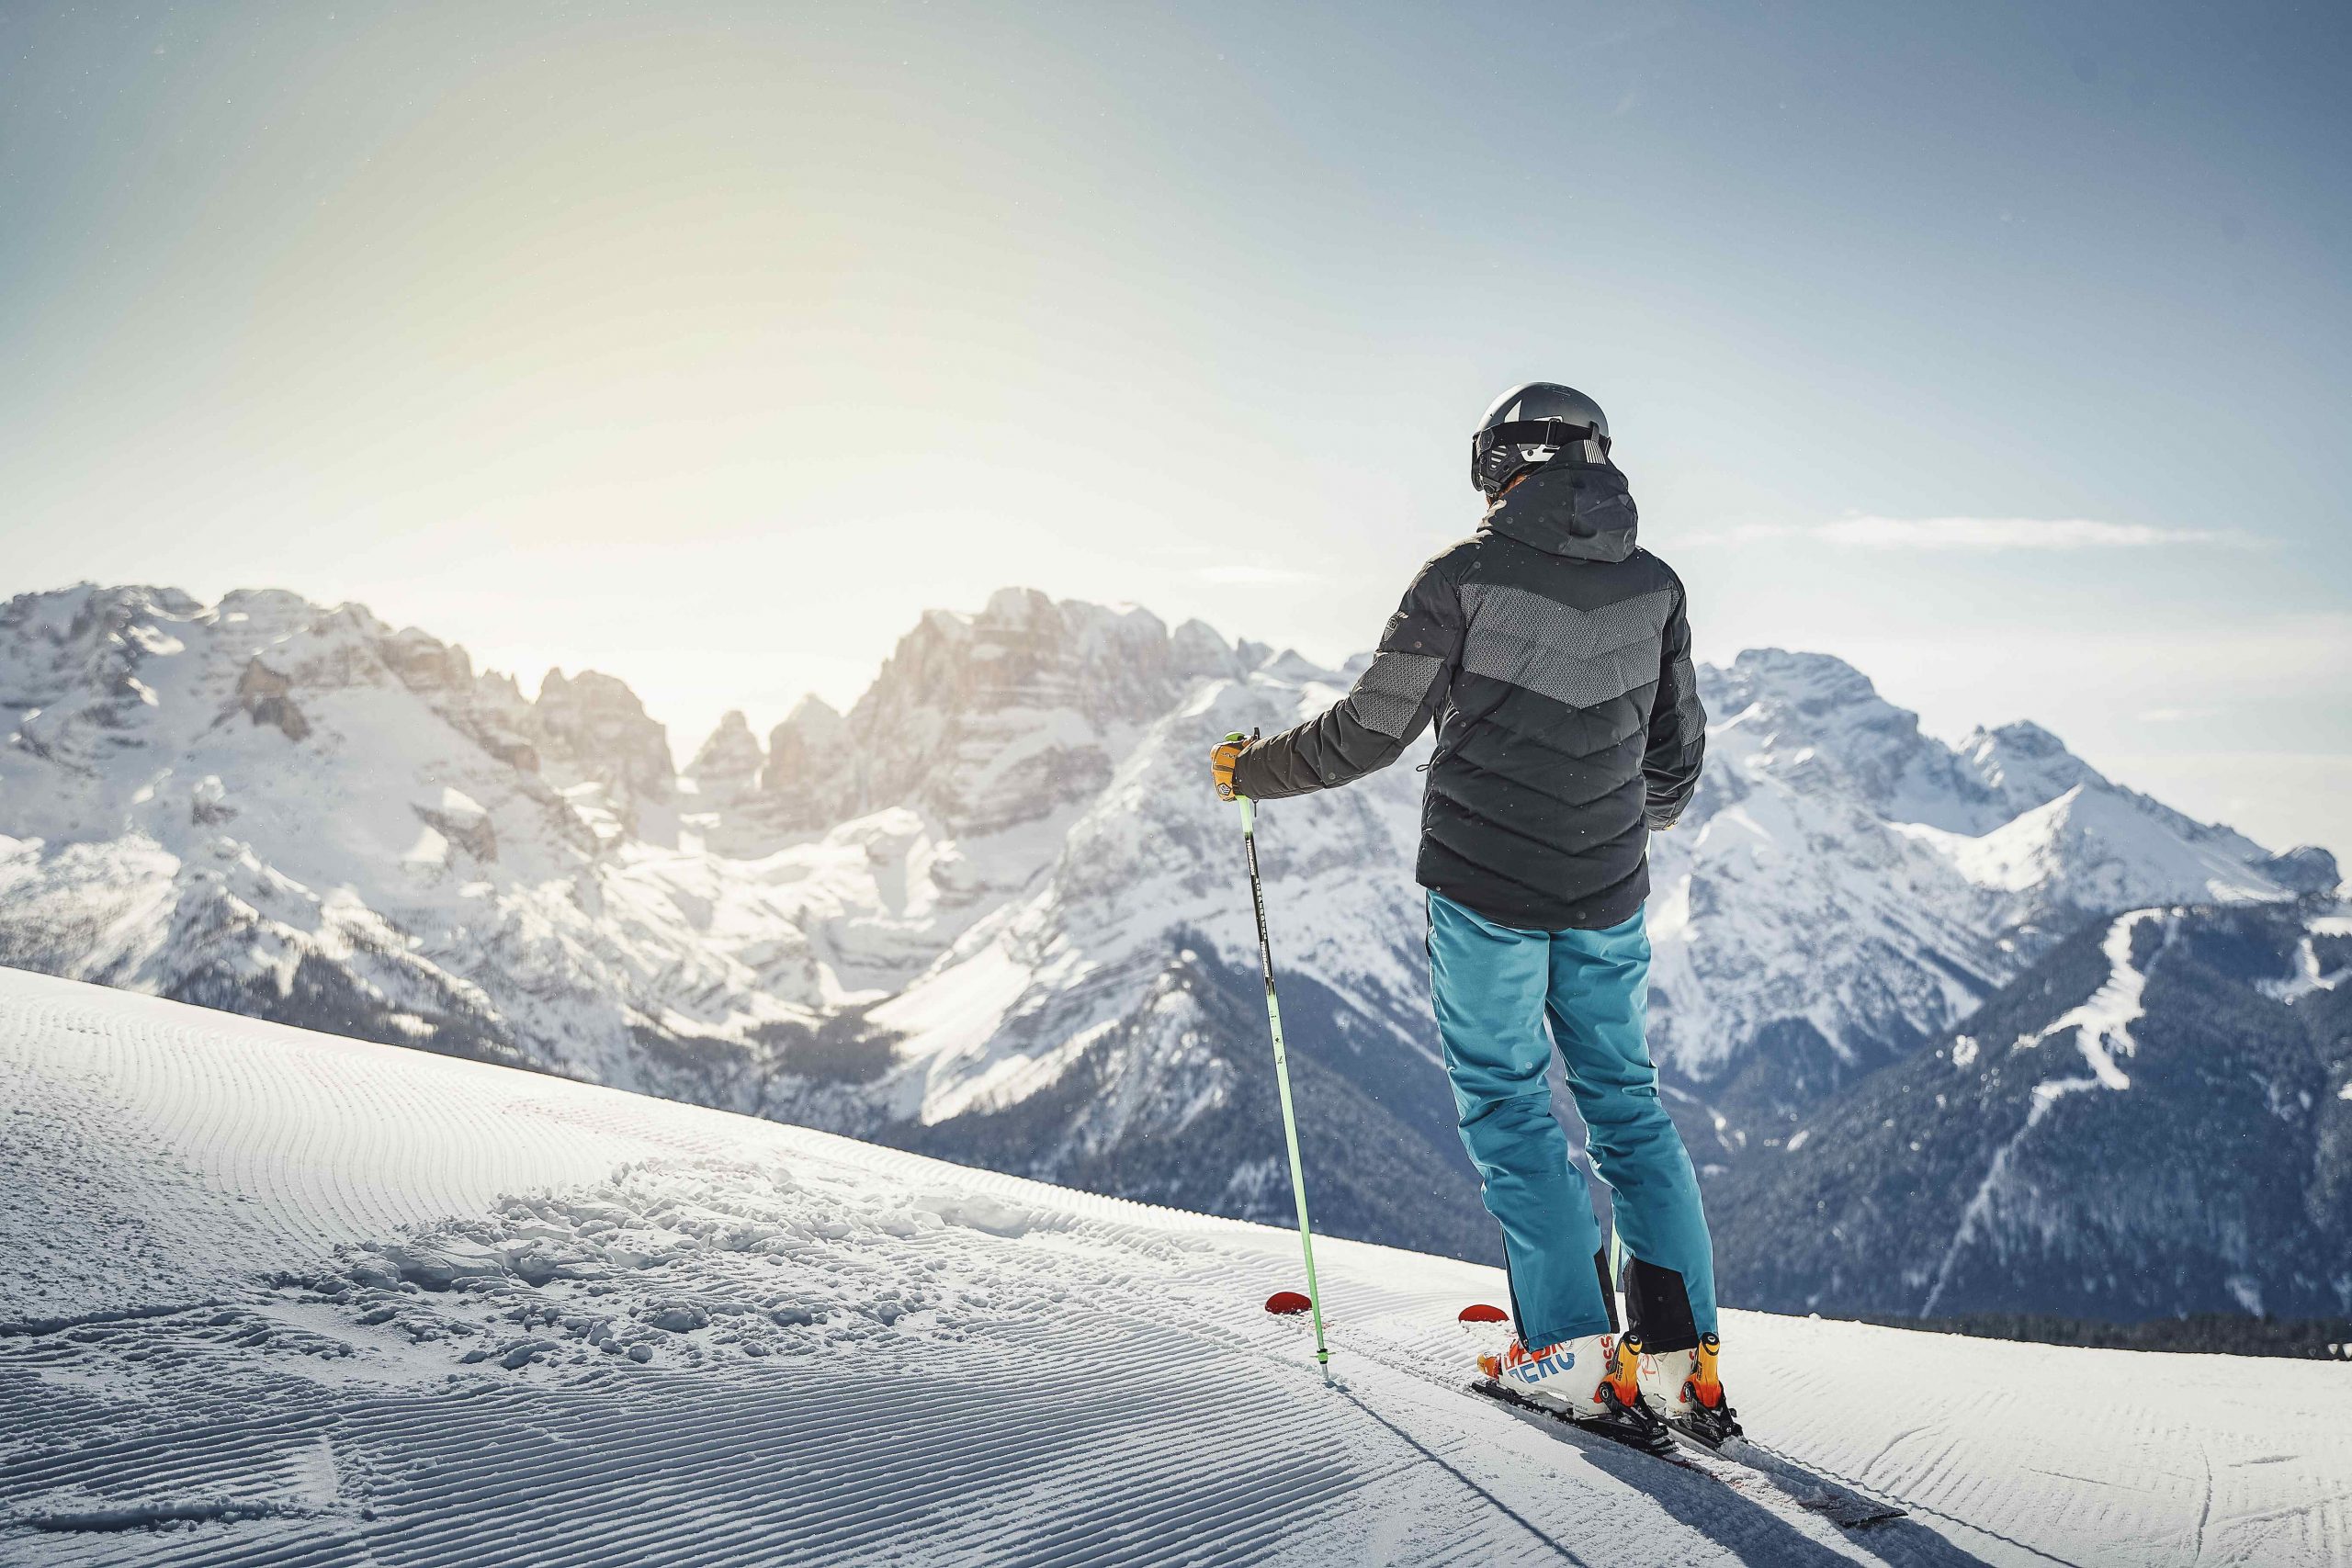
1681,1388
1591,1381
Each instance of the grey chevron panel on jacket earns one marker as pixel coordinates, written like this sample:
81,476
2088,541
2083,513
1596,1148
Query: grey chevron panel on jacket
1582,658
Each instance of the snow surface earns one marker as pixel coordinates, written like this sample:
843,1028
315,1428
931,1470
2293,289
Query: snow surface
273,1296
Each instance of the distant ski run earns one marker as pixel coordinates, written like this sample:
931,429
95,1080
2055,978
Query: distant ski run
2102,1024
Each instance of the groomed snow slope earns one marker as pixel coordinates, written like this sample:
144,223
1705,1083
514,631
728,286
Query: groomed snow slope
270,1297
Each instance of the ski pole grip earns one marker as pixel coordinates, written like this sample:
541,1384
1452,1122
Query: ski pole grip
1224,789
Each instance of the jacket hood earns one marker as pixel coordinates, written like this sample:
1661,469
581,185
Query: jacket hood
1582,510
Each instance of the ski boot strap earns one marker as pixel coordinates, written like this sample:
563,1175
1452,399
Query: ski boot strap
1623,1380
1706,1385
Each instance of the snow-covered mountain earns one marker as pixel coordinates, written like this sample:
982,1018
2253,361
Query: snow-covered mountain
2155,1118
276,1297
1845,886
991,911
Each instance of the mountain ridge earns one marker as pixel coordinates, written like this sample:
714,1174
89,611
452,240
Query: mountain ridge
996,878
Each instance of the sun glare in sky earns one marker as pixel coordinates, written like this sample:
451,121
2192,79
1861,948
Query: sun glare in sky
1998,350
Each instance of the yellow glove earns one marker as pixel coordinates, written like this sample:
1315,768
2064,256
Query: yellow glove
1221,760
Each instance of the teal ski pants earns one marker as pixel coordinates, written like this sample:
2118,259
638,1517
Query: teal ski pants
1495,987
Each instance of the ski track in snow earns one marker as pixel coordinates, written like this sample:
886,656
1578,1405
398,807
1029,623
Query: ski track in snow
275,1298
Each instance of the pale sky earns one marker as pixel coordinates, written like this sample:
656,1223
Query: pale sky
2001,350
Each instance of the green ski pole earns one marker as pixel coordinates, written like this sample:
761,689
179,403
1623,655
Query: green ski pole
1282,1073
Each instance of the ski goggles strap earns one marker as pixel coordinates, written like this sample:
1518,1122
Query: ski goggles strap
1495,453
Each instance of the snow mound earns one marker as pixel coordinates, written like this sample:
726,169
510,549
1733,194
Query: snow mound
273,1296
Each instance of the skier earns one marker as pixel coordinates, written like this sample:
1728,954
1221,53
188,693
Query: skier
1555,657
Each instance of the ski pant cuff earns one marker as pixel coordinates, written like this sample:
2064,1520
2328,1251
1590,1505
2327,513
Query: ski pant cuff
1575,1329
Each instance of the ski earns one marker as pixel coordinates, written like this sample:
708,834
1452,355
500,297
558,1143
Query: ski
1841,1506
1649,1437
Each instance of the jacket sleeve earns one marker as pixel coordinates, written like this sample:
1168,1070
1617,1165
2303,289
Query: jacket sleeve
1677,742
1390,705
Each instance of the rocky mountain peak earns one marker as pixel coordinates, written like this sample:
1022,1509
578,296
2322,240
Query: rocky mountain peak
2025,766
2025,738
731,749
814,719
488,706
727,765
1196,645
1025,649
593,722
261,615
991,718
1819,723
1807,684
796,788
2306,868
425,663
1017,607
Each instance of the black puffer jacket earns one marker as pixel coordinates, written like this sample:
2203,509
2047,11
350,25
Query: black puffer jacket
1556,658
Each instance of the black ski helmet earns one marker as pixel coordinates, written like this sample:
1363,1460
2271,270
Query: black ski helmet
1526,427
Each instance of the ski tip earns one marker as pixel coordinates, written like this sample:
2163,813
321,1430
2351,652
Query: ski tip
1479,1312
1283,1304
